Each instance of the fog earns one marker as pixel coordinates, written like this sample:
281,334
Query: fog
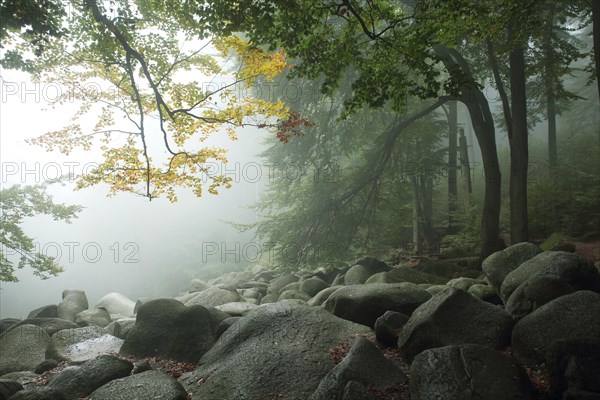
125,243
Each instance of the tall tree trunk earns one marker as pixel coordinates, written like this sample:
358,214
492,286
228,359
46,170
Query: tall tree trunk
485,132
596,34
550,81
518,148
452,156
552,148
417,225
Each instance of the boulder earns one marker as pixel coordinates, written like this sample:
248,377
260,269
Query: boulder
50,325
117,303
96,317
214,296
237,309
279,349
338,280
23,348
79,381
197,285
292,294
145,385
534,293
278,284
357,391
46,365
6,323
8,388
463,283
406,274
570,267
574,316
50,311
451,317
38,393
365,303
372,264
82,344
120,328
143,300
290,286
166,328
226,324
312,286
441,268
356,275
485,292
270,298
388,327
499,264
466,372
574,365
323,295
364,364
24,378
73,302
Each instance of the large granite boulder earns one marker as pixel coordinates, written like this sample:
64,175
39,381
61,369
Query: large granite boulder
365,303
117,303
388,327
279,283
312,286
466,372
50,311
82,344
574,316
356,275
453,316
534,293
50,325
404,273
574,365
166,328
145,385
323,295
499,264
8,388
38,393
95,317
570,267
73,302
23,348
197,285
75,382
214,296
279,349
365,364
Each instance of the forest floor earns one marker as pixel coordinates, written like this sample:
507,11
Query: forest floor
588,250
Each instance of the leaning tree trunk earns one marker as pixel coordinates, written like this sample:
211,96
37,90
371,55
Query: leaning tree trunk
452,157
483,124
518,149
596,34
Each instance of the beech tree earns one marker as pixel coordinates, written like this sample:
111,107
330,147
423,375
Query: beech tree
139,62
19,202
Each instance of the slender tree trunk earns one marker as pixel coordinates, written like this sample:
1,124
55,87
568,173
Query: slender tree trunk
518,148
485,132
549,68
417,225
452,156
596,34
552,150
